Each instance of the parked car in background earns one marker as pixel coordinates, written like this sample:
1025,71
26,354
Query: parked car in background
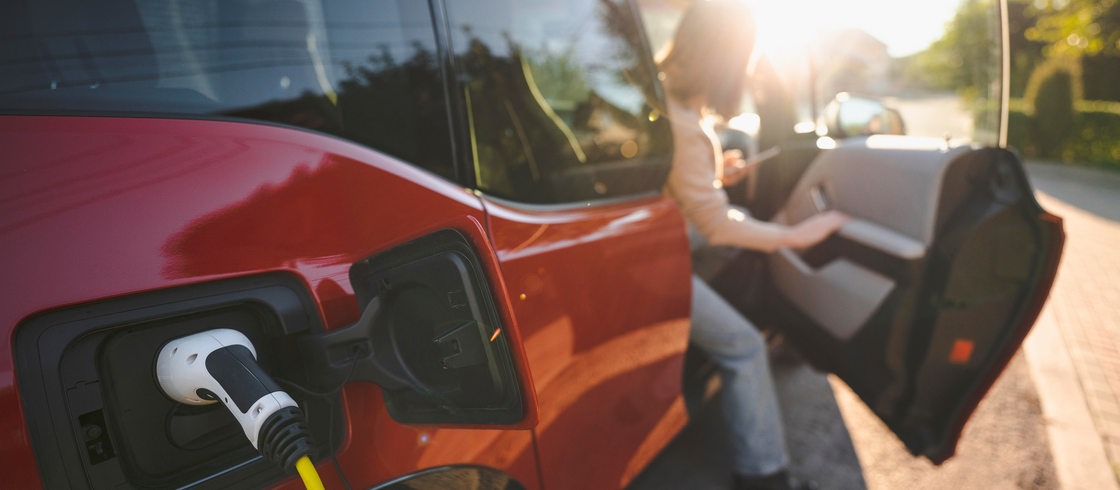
472,189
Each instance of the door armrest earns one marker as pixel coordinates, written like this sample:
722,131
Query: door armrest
885,239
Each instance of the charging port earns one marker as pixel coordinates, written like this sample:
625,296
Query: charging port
97,415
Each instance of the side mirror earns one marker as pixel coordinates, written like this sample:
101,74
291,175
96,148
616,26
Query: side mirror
848,115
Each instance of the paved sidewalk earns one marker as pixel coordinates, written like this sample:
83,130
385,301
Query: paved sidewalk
1084,306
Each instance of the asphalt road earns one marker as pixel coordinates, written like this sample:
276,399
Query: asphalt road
837,442
936,115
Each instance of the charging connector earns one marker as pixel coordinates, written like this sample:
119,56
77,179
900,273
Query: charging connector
221,366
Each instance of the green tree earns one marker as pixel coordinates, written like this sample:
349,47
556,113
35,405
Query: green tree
1054,115
1026,54
1076,27
965,58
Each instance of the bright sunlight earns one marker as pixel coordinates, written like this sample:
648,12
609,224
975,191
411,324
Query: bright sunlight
786,27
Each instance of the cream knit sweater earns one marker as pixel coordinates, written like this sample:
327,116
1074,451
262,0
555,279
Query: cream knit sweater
694,182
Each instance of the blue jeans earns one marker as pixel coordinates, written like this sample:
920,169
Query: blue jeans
750,405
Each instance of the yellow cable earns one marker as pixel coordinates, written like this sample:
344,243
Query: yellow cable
307,472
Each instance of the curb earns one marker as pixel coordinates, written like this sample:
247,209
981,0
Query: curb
1077,449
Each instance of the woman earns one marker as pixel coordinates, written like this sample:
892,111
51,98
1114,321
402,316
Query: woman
704,71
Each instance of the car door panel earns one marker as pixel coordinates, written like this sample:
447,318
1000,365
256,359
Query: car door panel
882,239
601,298
569,152
841,295
920,300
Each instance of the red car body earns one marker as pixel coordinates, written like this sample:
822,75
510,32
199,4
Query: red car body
148,204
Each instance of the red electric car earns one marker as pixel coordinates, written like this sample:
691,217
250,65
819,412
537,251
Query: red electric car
441,225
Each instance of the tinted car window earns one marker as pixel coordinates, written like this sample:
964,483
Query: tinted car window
561,99
363,70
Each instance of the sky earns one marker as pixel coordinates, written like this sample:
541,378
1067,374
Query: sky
905,26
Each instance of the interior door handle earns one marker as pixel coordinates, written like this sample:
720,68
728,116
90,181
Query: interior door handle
819,198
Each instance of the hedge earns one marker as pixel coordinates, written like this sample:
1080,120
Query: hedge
1093,139
1019,131
1054,121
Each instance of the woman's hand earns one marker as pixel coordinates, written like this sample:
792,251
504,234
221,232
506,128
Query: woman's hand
734,168
815,229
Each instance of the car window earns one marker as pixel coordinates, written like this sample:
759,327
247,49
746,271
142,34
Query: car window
933,67
561,99
362,70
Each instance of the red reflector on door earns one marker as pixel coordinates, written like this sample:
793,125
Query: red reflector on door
962,351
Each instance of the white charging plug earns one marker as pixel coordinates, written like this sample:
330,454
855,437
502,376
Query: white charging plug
220,366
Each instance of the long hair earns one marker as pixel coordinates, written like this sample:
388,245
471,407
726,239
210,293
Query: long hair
709,53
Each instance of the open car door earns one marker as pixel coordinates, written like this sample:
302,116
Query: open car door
922,299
